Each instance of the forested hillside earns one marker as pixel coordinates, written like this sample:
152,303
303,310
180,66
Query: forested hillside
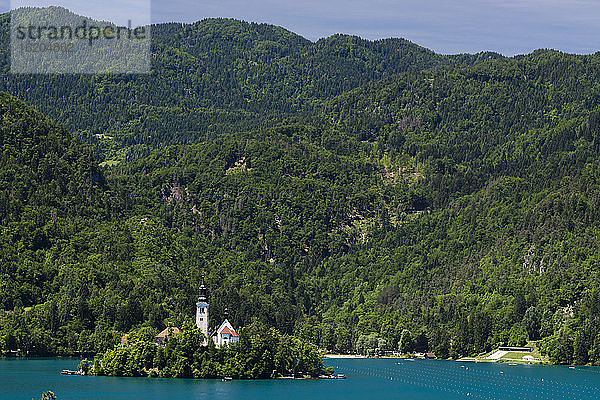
509,149
208,79
451,205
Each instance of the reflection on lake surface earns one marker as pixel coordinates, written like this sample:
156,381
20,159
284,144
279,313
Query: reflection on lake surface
367,379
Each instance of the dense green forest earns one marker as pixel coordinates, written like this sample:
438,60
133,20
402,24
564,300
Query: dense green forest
352,193
210,78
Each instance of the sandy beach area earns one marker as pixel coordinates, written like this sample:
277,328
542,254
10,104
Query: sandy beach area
344,356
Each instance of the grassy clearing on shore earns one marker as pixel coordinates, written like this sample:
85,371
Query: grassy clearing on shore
512,356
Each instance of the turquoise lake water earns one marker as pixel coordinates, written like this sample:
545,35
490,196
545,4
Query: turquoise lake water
367,379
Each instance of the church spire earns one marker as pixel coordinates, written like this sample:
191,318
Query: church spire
202,311
202,296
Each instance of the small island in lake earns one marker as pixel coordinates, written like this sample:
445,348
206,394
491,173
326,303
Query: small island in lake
256,352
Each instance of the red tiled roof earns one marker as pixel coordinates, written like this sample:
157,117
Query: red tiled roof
172,330
232,332
226,330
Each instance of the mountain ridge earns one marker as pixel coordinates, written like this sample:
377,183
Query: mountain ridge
212,76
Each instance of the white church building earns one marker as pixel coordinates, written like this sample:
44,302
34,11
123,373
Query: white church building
225,335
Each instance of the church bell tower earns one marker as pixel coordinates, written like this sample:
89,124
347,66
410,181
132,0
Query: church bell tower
202,312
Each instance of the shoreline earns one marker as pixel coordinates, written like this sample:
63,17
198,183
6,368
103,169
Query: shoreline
347,356
506,361
509,361
359,357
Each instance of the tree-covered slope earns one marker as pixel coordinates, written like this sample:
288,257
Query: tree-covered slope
509,150
50,186
452,208
469,124
208,79
234,208
470,216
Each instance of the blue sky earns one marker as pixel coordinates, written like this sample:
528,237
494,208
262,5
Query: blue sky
507,26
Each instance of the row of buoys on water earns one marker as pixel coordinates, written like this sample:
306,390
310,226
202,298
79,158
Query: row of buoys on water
429,377
595,390
451,388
